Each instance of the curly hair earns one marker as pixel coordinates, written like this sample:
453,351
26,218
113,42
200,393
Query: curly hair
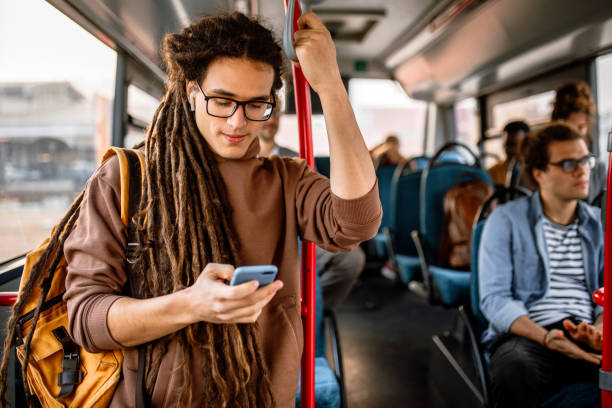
573,97
534,146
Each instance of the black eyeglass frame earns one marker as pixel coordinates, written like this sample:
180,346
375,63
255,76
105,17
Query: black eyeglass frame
238,104
571,165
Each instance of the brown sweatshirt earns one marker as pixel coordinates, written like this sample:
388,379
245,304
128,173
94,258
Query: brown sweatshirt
274,201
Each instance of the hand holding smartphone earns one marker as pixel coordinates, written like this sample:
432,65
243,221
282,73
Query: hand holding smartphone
264,274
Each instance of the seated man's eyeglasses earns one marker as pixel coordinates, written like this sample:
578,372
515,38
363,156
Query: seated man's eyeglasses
222,107
571,165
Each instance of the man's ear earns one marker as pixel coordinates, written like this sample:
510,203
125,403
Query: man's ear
537,175
191,90
190,86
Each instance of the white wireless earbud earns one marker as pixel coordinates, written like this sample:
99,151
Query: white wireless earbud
192,100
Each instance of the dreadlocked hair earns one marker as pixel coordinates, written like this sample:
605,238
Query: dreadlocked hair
185,219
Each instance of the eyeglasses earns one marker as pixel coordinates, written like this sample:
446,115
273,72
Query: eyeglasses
571,165
221,107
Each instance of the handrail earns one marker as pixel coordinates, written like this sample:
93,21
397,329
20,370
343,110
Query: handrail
450,145
605,371
308,262
8,298
291,19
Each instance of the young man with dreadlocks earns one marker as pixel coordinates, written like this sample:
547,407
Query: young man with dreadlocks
210,204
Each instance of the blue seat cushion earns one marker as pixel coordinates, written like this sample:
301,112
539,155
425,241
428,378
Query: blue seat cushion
409,267
327,389
380,241
454,286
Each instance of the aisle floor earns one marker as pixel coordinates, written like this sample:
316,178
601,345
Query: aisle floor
387,348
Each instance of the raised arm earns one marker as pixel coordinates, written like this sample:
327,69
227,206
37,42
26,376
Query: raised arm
351,170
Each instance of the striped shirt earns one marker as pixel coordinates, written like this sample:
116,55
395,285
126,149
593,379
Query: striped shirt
567,291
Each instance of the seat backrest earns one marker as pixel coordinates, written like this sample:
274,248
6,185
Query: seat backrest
385,177
420,162
474,293
322,165
405,198
450,156
435,183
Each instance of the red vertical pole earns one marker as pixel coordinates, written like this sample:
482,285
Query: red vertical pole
606,360
304,111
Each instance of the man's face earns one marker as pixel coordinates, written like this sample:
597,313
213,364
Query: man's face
513,139
270,127
565,186
239,79
580,122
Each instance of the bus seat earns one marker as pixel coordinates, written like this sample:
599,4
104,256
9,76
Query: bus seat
443,285
420,162
451,156
322,165
474,292
405,188
384,174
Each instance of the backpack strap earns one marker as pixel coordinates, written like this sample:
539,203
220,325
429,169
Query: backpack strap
131,165
71,375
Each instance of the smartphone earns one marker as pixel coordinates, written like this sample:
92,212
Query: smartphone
264,274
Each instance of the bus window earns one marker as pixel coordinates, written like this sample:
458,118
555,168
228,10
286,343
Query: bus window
140,108
382,108
604,102
467,121
534,109
56,93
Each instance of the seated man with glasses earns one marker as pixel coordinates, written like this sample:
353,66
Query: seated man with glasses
540,260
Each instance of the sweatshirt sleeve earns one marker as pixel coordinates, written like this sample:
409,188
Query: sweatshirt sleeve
95,252
333,223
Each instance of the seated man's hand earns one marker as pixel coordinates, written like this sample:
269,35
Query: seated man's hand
556,340
213,300
584,333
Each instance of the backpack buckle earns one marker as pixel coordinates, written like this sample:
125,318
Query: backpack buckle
70,356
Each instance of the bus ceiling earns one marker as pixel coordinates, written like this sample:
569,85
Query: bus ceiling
439,50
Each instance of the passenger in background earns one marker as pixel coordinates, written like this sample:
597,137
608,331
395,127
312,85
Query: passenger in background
513,134
338,271
541,258
574,105
267,144
387,153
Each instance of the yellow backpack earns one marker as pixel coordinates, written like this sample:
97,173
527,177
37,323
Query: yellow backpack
57,370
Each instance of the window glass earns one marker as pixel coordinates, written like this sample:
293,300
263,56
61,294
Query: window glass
467,121
141,107
495,152
604,102
535,110
56,92
381,108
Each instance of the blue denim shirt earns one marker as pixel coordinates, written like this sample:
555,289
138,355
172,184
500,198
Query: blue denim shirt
513,262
